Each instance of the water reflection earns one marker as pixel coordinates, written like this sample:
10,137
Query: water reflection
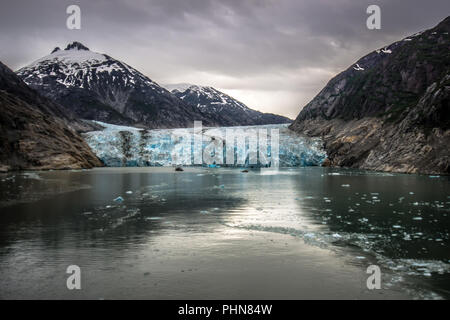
165,224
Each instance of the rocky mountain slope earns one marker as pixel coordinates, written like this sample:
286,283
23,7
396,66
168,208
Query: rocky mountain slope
390,110
35,132
222,108
97,87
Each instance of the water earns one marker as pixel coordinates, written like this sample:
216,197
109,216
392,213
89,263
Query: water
219,233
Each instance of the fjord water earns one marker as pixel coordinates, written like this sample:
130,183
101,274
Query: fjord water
306,232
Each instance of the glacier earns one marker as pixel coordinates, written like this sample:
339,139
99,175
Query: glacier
122,146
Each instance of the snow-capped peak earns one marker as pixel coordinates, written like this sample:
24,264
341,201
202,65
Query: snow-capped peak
74,53
77,66
181,87
206,98
72,46
76,46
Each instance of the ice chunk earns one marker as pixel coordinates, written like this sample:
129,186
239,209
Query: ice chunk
118,199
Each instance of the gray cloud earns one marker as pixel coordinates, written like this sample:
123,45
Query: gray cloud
274,55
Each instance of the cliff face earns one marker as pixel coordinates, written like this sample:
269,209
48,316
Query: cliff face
35,132
389,111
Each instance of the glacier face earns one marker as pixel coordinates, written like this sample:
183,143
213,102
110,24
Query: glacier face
120,146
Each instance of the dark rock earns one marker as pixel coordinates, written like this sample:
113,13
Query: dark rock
37,133
326,163
244,171
392,114
179,169
76,45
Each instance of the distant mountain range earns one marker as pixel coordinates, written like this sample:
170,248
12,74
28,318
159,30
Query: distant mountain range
222,108
97,87
389,111
37,133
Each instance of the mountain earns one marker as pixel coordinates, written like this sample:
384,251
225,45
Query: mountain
222,108
35,132
97,87
390,110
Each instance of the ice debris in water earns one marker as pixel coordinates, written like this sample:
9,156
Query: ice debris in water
418,267
345,185
337,235
118,199
119,146
129,192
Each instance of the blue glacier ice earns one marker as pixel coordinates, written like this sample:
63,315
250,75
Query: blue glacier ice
120,146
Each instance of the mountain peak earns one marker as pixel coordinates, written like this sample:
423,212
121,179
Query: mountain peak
178,86
76,46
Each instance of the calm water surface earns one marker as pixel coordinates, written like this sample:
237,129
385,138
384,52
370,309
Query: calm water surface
220,233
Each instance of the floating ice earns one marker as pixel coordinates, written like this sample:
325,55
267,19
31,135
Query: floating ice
118,199
337,235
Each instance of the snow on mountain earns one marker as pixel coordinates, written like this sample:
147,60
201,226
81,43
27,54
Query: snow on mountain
37,133
178,86
77,66
98,87
392,103
221,107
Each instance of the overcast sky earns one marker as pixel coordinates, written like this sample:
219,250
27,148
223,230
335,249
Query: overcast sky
273,55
